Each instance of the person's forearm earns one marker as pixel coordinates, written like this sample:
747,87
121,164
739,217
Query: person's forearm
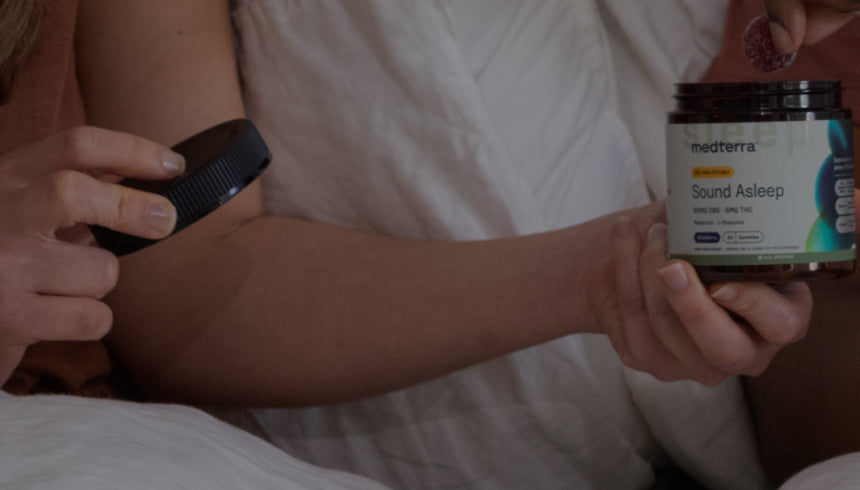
284,311
273,310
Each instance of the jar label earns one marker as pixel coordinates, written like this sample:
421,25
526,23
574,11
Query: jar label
761,193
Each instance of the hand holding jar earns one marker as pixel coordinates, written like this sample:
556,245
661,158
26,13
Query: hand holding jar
663,320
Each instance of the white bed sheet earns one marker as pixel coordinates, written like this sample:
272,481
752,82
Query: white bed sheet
470,119
838,473
478,118
67,443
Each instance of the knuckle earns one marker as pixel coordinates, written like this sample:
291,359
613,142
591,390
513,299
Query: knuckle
731,358
77,143
125,207
11,260
64,189
695,313
748,304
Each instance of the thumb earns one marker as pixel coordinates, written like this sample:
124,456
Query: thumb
787,24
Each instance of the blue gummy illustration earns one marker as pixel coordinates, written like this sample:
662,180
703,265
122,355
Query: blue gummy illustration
823,235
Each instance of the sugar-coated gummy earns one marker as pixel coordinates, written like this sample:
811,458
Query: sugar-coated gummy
759,48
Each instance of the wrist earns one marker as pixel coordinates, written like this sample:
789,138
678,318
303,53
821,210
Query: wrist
590,286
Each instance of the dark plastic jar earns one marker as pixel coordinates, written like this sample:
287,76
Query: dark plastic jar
760,181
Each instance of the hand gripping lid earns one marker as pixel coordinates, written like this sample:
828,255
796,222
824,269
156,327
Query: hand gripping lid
220,162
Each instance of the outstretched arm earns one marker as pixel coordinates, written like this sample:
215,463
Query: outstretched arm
260,309
271,310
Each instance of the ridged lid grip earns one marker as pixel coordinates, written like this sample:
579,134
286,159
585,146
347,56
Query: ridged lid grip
220,162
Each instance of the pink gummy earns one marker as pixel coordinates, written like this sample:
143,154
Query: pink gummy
759,48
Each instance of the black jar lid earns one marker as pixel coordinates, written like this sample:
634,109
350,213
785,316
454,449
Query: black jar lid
220,162
789,95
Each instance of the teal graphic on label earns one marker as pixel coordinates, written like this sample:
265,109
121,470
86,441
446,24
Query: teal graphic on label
834,194
761,193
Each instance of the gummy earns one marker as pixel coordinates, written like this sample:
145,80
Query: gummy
759,48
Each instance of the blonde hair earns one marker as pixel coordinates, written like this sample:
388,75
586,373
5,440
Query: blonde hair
19,28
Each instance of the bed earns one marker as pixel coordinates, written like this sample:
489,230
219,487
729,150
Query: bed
444,119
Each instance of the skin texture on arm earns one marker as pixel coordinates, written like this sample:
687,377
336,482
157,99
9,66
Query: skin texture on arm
245,308
284,292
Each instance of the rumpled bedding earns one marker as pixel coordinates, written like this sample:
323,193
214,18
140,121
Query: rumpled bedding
459,119
472,119
55,442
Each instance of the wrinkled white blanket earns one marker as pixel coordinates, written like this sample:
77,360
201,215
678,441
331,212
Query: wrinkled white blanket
446,119
479,118
66,443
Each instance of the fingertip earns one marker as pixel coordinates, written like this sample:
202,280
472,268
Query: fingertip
674,276
787,21
161,217
173,163
724,293
782,40
658,232
100,323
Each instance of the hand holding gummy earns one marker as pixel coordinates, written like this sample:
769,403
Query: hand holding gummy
759,47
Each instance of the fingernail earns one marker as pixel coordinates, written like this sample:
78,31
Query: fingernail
673,276
173,162
161,216
658,231
725,293
781,40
